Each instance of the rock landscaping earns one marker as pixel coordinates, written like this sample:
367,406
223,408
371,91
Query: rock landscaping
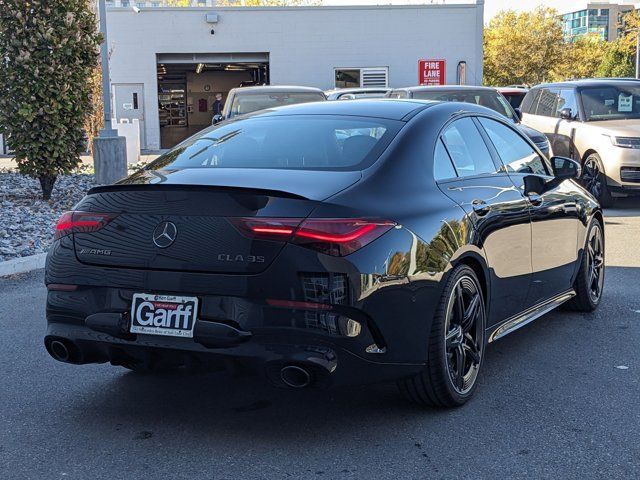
27,222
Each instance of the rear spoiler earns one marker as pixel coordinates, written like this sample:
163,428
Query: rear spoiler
193,188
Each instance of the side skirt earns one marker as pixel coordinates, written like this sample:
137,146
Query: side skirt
512,324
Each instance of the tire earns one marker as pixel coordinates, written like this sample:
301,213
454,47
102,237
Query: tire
455,334
590,280
595,181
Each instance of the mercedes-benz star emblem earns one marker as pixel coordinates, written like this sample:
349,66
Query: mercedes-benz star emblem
165,234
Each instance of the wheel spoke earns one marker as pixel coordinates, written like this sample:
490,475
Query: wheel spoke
471,313
472,350
451,338
459,305
460,361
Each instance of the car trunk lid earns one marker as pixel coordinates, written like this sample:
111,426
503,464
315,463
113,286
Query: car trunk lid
184,221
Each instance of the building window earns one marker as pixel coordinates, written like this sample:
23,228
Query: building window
362,77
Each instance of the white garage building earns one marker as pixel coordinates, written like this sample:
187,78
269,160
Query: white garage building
167,64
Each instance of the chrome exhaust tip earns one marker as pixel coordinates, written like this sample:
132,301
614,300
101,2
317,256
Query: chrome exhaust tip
295,377
59,351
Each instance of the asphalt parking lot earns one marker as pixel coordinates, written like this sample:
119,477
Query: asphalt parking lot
558,399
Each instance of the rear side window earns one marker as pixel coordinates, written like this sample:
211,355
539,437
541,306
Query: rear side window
516,154
467,149
530,101
301,142
547,103
442,166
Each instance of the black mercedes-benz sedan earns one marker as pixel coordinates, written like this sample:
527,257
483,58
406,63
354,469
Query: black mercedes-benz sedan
328,243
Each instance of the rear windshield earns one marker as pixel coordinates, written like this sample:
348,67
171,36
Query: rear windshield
611,102
301,142
245,102
493,100
360,95
514,98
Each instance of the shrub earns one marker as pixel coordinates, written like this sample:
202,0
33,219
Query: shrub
47,53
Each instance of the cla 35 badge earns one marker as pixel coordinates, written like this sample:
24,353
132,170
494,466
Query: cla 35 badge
163,315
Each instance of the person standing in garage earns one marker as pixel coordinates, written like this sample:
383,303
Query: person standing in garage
218,105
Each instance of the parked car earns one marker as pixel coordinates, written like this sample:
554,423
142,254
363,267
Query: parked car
356,93
513,94
596,122
398,253
485,96
243,100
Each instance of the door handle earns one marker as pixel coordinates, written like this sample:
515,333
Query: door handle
535,199
480,207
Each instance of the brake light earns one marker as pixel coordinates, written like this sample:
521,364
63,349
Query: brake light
81,222
333,236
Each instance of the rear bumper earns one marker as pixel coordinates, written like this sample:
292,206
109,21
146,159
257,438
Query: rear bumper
328,364
237,321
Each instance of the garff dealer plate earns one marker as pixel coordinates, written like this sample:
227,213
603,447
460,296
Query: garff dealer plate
163,315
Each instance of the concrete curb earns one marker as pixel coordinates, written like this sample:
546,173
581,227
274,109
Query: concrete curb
22,265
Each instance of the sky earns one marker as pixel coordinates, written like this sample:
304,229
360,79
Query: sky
491,7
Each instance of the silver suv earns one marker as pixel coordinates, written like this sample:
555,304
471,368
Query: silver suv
596,122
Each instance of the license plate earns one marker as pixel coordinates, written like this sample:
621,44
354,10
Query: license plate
163,315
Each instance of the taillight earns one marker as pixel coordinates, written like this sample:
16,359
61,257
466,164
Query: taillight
81,222
333,236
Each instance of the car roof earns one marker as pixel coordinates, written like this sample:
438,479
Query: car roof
588,82
357,90
392,109
424,88
277,89
512,89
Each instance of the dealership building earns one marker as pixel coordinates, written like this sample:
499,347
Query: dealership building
167,64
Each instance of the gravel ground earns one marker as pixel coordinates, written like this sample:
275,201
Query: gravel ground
27,221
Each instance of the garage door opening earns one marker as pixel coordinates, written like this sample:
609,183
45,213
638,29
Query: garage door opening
188,84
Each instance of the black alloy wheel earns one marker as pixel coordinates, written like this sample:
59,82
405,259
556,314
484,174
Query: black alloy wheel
456,345
595,263
589,284
595,181
463,335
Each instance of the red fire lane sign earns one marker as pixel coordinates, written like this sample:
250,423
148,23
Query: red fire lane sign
431,72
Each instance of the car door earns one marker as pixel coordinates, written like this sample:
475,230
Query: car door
539,114
467,173
554,212
565,129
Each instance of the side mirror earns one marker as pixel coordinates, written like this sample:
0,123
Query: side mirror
566,114
518,113
565,168
217,119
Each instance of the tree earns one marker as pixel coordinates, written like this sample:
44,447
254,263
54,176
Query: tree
619,57
617,61
581,58
522,47
94,121
50,50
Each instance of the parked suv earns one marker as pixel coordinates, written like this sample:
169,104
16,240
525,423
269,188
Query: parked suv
245,100
596,122
485,96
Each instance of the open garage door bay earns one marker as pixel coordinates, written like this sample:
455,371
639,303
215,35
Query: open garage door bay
188,84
